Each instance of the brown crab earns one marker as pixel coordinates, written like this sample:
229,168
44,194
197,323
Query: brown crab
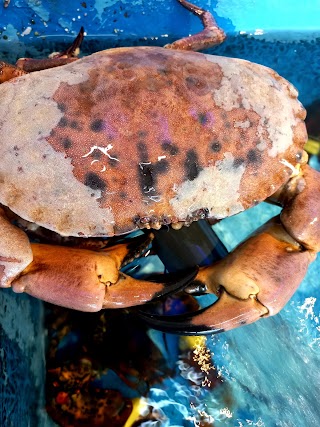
142,137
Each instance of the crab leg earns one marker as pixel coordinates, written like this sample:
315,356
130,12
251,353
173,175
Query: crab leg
210,36
8,72
260,276
15,251
87,280
301,213
28,65
62,58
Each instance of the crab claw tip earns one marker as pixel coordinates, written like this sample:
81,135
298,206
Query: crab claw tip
226,313
173,282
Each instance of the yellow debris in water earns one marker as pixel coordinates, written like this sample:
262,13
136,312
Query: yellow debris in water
189,343
139,407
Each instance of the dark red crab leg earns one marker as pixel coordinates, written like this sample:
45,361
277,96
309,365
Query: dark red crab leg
62,58
29,65
210,36
8,72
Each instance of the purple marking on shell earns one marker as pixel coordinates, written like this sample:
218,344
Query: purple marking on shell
164,127
205,118
110,131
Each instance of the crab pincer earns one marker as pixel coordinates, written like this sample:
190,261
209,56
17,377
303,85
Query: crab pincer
89,280
260,276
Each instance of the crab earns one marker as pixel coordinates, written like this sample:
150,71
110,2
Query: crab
145,137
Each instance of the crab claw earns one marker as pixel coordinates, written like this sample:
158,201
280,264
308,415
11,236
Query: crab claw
225,314
129,292
255,280
88,280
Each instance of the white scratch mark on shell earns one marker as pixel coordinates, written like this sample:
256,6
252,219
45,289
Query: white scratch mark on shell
104,150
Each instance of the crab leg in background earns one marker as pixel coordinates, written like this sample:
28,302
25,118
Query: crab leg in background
260,276
28,65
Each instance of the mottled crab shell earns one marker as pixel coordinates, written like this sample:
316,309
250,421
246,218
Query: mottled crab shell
143,136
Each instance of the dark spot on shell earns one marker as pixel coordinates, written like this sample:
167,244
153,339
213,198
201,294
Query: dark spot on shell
196,84
75,125
216,146
143,152
123,195
203,119
67,143
16,148
254,156
238,162
146,177
145,169
163,71
162,166
94,181
142,134
170,148
191,165
20,169
112,162
97,125
227,125
63,122
62,107
96,154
